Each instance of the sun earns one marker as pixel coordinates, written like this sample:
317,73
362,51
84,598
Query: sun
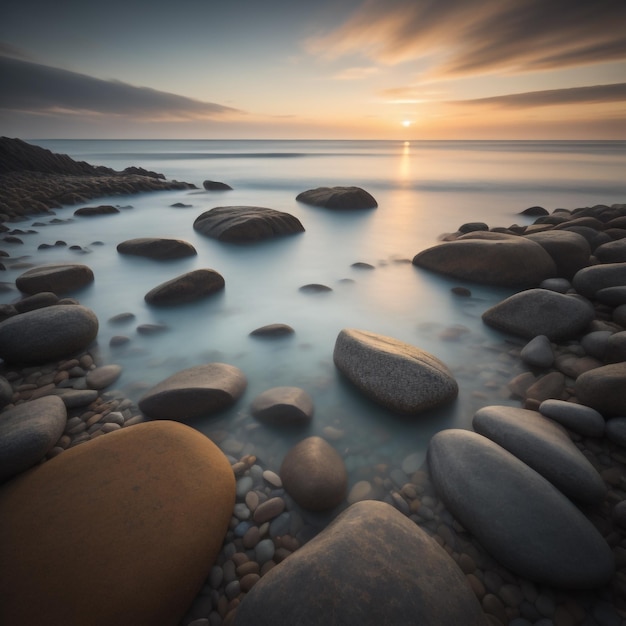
406,123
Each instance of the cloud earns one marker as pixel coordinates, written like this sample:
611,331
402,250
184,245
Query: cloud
356,73
34,88
464,37
554,97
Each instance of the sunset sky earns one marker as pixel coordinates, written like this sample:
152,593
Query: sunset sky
324,69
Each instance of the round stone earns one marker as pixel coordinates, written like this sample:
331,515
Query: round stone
186,288
602,389
157,248
60,278
577,417
283,406
338,198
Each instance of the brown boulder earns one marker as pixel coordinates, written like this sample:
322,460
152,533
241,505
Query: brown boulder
186,288
60,278
339,198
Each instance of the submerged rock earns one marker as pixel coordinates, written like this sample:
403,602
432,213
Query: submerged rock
214,185
340,198
157,248
283,406
397,375
188,287
60,278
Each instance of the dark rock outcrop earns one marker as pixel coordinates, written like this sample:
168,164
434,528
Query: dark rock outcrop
188,287
157,248
339,198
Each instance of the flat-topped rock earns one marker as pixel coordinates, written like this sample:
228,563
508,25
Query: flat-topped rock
602,389
190,287
157,248
397,375
569,250
92,211
283,406
246,224
545,446
28,432
47,334
540,312
338,198
371,566
506,260
60,278
540,534
314,475
273,330
141,512
589,280
200,390
577,417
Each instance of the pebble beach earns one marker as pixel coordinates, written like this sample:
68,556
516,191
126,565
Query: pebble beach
539,367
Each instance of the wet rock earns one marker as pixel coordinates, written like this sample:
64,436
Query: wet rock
616,348
314,288
36,301
338,198
362,570
122,511
601,388
90,211
283,406
589,280
200,390
314,475
189,287
59,279
613,296
611,252
246,224
157,248
569,251
577,417
103,376
538,352
214,185
273,330
396,375
616,432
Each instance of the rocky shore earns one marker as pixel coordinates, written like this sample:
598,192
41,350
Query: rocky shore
521,522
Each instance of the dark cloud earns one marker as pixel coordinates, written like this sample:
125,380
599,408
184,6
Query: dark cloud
30,87
463,37
551,97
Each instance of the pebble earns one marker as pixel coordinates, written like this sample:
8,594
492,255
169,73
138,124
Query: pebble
272,478
244,485
264,551
269,510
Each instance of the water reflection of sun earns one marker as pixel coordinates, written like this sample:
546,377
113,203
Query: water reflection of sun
404,169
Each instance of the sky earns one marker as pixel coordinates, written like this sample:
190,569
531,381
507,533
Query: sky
313,69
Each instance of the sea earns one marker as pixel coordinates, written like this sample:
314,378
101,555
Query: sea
424,190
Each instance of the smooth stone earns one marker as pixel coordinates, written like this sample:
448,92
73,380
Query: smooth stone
273,330
534,211
283,406
189,287
264,551
506,261
616,348
157,248
314,288
540,312
545,446
214,185
371,565
550,385
246,224
361,490
200,390
91,211
538,352
314,475
560,285
595,343
268,510
569,251
611,252
589,280
103,376
36,301
338,198
6,392
412,462
60,278
120,512
396,375
47,334
581,419
74,398
615,430
28,432
602,389
540,535
613,296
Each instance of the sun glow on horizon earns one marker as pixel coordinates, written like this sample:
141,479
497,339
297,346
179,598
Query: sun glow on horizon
406,123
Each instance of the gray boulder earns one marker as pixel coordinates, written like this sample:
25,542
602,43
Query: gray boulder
540,312
371,566
36,301
613,296
611,252
215,185
157,248
314,475
506,261
200,390
246,224
92,211
616,348
283,406
577,417
616,431
27,432
538,352
60,278
570,251
339,198
545,446
396,375
603,388
47,334
188,287
273,330
519,517
595,343
589,280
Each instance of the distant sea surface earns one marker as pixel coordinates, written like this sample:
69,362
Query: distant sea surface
423,189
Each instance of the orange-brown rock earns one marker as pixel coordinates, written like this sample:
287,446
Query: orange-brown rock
121,530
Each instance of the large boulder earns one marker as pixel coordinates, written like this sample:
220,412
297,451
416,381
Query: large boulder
246,224
199,390
589,280
370,566
603,388
141,513
61,278
339,198
506,261
28,431
189,287
569,250
314,475
157,248
545,446
541,312
47,334
518,516
397,375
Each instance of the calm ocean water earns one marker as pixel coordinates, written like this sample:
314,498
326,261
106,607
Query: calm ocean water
423,189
